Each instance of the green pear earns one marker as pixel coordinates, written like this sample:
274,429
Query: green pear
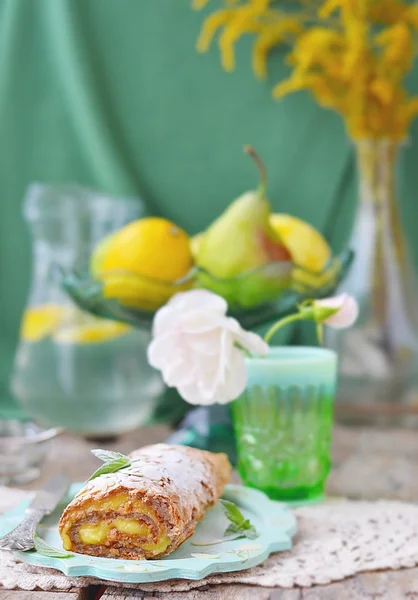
241,239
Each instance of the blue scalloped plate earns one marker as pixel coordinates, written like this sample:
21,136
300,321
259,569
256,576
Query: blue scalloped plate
198,557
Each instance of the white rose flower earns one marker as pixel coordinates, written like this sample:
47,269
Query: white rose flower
199,350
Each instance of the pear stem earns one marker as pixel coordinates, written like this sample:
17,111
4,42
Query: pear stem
261,167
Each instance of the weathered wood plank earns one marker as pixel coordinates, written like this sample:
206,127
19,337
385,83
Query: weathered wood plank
374,463
218,592
283,594
387,585
38,595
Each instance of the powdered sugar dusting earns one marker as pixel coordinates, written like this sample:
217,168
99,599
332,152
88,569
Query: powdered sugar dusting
101,483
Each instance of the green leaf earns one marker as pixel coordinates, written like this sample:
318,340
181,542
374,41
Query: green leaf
111,467
46,550
113,461
232,529
239,525
251,533
107,455
232,512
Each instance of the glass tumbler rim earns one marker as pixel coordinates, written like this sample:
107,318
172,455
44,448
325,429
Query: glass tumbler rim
291,355
293,364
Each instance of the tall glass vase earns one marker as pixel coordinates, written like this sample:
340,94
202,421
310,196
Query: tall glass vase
379,355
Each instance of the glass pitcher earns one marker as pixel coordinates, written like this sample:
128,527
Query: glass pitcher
72,369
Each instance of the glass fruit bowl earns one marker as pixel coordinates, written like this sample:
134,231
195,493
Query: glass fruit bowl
254,297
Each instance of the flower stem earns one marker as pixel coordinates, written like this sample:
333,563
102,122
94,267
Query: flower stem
275,328
320,333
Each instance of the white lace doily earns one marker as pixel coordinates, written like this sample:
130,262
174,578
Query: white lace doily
335,540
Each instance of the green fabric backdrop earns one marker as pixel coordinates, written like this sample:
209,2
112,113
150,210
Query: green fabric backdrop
111,94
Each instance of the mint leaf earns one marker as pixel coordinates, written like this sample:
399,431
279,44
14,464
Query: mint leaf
113,461
110,467
251,532
46,550
239,526
232,512
232,529
107,455
247,530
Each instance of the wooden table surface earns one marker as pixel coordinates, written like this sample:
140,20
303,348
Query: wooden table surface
367,464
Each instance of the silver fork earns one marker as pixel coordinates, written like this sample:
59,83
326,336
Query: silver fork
22,536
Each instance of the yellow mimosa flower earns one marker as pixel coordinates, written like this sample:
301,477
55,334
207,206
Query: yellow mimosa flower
198,4
212,24
244,20
272,35
352,55
411,15
329,7
409,111
397,47
382,90
386,12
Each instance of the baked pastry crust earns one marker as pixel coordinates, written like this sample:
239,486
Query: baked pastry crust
148,509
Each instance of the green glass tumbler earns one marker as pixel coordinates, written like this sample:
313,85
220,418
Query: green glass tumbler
283,422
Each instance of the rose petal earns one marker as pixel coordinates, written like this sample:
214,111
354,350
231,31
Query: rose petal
177,372
164,320
247,339
347,307
159,351
208,344
197,299
225,350
184,304
236,385
253,343
191,394
332,301
193,322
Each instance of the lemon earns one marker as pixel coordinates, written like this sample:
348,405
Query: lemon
139,263
40,321
90,333
67,324
152,247
306,245
139,292
99,254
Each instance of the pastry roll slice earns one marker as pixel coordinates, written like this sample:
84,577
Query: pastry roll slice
145,510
